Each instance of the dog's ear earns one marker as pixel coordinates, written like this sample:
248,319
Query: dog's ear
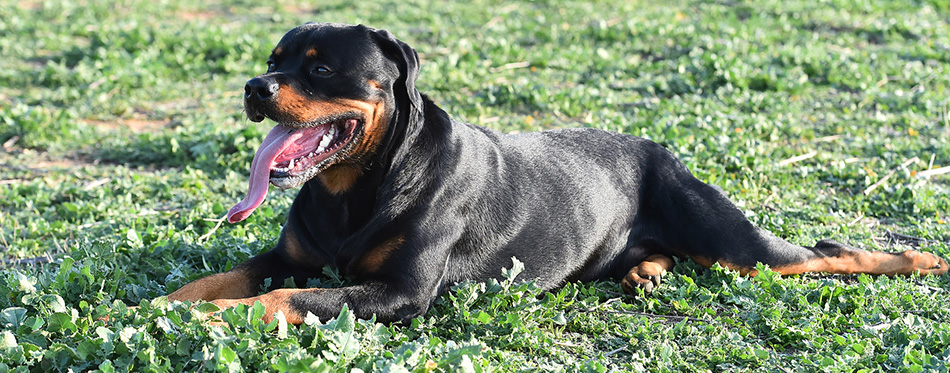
408,63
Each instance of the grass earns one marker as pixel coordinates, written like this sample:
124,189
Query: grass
124,140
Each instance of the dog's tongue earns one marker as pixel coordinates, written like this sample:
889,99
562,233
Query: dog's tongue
279,138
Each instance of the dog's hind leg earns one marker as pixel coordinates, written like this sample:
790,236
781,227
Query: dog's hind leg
690,218
834,257
826,256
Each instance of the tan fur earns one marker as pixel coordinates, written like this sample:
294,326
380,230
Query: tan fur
293,248
374,259
854,261
647,274
231,284
340,177
295,108
277,300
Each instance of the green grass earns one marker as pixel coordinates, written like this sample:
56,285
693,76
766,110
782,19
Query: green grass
124,139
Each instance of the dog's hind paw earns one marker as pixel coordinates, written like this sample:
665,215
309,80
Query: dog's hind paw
647,275
926,263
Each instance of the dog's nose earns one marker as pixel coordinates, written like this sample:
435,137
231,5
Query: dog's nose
261,88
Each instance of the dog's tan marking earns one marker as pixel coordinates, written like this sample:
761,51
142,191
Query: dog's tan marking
647,274
374,130
871,262
312,52
231,284
292,247
277,300
340,177
292,107
374,259
278,50
853,261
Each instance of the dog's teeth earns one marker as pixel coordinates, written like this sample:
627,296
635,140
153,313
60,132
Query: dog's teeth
291,165
325,141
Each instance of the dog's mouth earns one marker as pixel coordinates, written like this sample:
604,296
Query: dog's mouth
298,162
292,154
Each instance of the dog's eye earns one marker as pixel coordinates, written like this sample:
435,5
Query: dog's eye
271,66
322,70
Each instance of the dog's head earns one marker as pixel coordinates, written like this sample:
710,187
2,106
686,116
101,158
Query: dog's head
336,92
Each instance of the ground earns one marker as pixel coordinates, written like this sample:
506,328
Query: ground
124,143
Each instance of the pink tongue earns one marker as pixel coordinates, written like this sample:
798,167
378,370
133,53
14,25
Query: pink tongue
279,138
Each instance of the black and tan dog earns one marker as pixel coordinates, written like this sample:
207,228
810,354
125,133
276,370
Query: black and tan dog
407,201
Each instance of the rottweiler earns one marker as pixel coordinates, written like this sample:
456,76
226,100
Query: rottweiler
407,201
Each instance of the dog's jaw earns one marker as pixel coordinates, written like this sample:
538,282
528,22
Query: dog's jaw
291,155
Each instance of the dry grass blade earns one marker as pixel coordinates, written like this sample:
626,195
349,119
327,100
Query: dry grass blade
796,159
888,176
934,172
511,66
217,225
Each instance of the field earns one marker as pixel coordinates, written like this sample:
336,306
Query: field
124,143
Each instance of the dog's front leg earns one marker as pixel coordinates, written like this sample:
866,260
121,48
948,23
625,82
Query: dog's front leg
243,281
396,282
366,300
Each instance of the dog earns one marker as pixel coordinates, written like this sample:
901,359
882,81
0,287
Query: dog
407,201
